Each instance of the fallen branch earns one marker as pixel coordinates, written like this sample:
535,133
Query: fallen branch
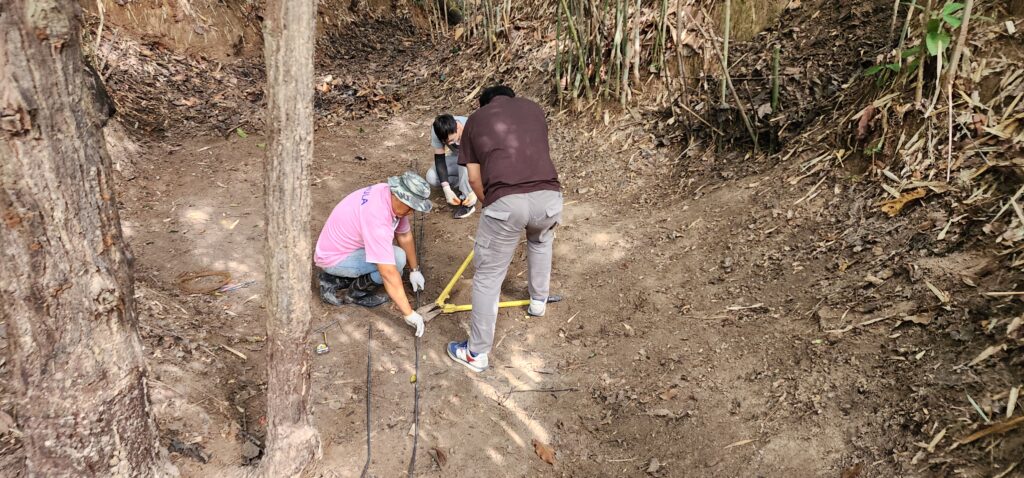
552,390
992,430
236,352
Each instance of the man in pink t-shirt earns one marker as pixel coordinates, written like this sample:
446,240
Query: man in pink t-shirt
356,248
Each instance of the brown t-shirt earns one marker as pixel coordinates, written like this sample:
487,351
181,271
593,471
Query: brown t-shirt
509,139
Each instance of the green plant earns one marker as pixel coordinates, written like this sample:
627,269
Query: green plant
936,39
937,35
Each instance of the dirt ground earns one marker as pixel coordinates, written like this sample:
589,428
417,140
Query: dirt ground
692,341
724,315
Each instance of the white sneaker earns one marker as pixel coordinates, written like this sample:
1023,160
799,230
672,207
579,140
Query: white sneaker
537,308
459,352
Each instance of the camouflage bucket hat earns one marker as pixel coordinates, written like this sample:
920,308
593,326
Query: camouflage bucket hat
411,189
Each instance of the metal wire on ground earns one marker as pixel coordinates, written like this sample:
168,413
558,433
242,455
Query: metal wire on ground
369,341
418,237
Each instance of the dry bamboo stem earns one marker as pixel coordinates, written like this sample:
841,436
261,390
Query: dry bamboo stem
579,47
903,33
775,79
728,80
954,64
951,78
681,65
617,48
558,55
727,30
624,92
919,91
895,17
637,19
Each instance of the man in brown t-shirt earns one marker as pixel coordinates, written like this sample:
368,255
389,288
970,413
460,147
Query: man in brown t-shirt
505,150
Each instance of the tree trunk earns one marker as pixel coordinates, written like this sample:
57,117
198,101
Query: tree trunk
292,441
65,285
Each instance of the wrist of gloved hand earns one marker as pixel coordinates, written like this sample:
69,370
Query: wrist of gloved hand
449,195
416,280
415,320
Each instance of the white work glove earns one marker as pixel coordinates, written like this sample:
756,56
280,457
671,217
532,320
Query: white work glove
415,320
449,195
416,280
470,200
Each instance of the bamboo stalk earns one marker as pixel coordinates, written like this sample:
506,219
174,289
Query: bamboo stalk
895,17
579,47
658,58
951,78
616,60
603,67
727,30
558,56
775,79
903,33
954,64
735,96
681,66
488,25
444,26
637,18
624,92
919,91
430,21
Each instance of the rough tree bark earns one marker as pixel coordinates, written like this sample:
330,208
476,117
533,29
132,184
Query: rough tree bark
65,287
292,441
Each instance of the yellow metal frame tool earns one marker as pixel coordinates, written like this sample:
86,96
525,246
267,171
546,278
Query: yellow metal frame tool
446,293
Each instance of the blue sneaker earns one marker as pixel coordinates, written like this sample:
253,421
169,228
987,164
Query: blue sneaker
459,352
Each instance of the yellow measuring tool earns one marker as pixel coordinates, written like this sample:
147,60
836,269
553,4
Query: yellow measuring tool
446,293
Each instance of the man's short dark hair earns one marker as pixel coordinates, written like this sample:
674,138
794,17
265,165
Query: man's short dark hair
498,90
444,126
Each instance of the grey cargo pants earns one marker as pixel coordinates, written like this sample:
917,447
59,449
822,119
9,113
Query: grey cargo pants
497,236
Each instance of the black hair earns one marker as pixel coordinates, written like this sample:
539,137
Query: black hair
492,91
444,126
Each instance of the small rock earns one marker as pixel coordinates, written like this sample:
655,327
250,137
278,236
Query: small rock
653,466
250,451
334,404
885,274
873,280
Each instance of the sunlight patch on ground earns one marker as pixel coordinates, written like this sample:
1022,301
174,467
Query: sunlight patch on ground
518,412
511,433
611,246
196,216
495,455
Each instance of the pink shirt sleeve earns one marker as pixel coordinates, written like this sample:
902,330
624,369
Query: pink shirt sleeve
378,238
403,226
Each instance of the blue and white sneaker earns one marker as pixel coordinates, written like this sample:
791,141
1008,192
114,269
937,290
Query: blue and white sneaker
459,352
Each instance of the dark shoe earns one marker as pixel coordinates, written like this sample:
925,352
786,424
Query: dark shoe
330,280
362,292
329,287
461,212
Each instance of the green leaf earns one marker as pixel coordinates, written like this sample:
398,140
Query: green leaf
936,42
873,70
951,8
952,20
241,133
261,145
934,25
910,52
895,67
